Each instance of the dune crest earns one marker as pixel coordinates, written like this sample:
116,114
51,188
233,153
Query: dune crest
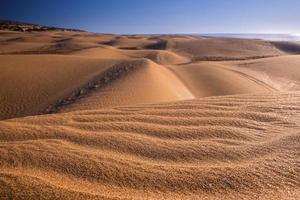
148,83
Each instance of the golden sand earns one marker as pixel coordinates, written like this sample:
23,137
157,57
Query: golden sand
143,117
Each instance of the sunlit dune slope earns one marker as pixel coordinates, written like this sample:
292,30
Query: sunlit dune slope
147,83
145,117
237,77
212,79
282,73
30,83
230,147
103,52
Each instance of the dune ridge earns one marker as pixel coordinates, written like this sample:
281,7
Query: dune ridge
149,83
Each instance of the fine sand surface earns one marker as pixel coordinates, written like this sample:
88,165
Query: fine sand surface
281,72
30,83
212,79
149,83
148,117
226,147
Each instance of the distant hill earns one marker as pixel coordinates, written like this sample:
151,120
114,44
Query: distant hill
27,27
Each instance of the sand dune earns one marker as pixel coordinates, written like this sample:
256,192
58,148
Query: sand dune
125,42
148,117
49,42
102,52
290,47
223,49
11,42
163,57
239,77
217,148
148,83
211,79
281,72
30,83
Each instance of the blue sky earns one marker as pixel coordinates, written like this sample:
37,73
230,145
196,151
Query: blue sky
160,16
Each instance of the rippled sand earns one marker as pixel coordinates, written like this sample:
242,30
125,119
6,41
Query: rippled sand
142,117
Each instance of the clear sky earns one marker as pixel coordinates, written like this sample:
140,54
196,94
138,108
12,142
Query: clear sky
160,16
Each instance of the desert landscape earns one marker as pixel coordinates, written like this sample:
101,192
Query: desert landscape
105,116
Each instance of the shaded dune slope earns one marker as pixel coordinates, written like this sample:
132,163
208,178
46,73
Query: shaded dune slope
130,42
289,47
215,49
163,57
218,148
49,42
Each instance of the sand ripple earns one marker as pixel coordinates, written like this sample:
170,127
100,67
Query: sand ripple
217,147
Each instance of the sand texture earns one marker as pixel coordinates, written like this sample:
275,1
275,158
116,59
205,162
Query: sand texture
99,116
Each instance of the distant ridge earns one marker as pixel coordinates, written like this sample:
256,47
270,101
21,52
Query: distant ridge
266,36
27,27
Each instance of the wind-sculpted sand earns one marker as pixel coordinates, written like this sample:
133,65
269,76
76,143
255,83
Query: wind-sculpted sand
148,117
225,147
281,72
148,83
30,83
